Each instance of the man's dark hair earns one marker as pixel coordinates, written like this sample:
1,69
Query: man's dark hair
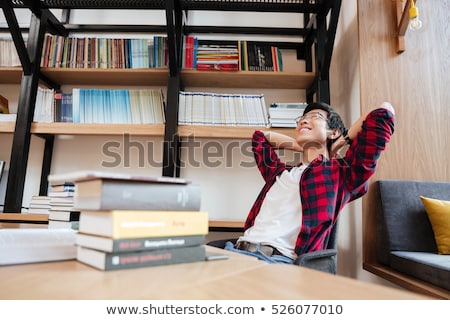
334,119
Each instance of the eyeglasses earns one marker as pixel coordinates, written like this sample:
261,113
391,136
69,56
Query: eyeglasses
311,116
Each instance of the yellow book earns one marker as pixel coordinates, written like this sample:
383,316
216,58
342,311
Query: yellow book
143,223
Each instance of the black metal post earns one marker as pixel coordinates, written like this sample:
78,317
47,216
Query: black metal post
22,135
46,164
323,83
171,150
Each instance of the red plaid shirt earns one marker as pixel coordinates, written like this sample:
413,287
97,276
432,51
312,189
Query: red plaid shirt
326,186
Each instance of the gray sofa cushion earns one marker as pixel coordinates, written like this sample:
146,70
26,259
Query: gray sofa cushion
426,266
402,222
405,239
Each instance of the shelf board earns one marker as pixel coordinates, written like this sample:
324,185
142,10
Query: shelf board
247,79
23,217
62,128
122,77
231,132
159,77
7,127
10,75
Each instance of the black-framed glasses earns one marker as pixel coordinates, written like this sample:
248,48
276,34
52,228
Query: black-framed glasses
311,116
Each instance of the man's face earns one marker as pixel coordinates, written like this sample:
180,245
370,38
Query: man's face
312,128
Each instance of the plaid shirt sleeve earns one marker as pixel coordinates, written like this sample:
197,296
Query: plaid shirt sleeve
267,160
269,165
362,157
328,185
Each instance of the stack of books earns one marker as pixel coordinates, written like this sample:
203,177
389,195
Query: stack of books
62,213
219,55
39,205
285,114
131,221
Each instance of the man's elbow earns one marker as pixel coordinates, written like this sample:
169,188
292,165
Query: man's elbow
387,106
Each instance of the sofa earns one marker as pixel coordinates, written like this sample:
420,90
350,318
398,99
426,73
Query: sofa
406,233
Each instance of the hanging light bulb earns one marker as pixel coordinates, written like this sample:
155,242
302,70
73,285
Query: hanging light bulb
414,21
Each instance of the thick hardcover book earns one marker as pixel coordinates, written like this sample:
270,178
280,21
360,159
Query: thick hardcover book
143,223
137,244
64,215
83,175
59,224
136,259
36,245
110,194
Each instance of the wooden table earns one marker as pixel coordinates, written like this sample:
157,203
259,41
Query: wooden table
239,277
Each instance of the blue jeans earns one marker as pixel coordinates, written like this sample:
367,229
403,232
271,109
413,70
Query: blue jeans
258,254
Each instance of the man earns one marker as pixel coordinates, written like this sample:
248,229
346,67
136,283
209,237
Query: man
298,206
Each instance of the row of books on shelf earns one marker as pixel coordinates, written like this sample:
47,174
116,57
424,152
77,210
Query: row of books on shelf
8,54
230,55
205,108
157,221
146,106
122,53
58,204
104,53
90,105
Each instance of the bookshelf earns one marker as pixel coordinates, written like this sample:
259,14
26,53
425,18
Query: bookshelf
319,19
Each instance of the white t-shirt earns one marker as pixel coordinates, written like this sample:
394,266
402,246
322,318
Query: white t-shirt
280,218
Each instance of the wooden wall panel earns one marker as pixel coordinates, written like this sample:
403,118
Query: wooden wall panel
416,82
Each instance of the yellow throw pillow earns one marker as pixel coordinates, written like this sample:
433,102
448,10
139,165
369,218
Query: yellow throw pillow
439,214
